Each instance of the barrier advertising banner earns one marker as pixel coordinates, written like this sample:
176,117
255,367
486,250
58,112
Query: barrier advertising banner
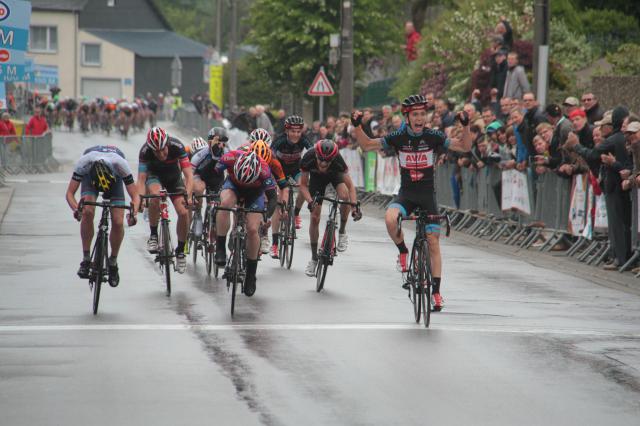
387,175
601,213
578,206
354,162
515,191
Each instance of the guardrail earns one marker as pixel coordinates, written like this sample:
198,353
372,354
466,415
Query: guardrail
27,154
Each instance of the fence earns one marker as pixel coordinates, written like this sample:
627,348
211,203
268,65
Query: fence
195,122
27,154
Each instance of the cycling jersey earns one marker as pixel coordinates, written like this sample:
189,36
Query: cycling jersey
275,166
113,158
204,164
318,180
228,160
289,154
177,159
417,154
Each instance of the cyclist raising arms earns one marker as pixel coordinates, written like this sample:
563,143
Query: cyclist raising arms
248,179
288,149
102,169
162,163
417,148
321,166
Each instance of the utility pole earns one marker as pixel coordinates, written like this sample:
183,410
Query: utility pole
541,50
218,26
345,102
233,83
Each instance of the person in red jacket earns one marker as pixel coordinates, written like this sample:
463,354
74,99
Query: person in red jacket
37,125
412,37
7,129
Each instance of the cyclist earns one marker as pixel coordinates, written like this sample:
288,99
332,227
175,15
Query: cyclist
162,163
102,169
260,134
321,166
288,149
204,163
417,148
249,179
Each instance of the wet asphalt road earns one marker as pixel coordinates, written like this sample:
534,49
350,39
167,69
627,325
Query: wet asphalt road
516,344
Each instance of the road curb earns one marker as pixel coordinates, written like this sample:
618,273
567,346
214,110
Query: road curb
6,195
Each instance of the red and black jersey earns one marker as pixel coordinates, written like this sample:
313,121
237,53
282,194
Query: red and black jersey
177,159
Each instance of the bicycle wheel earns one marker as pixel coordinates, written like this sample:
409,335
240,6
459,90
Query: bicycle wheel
425,283
166,255
283,248
323,258
206,243
414,282
100,264
235,272
291,235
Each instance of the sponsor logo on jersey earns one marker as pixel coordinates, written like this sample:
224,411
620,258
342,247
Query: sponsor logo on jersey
416,160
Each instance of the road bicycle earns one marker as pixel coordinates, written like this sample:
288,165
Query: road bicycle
165,254
98,270
235,270
287,229
327,250
419,277
206,242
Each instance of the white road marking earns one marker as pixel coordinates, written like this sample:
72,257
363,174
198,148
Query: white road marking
34,181
313,327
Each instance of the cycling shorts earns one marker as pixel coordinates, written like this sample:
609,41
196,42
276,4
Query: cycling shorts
172,183
318,182
408,201
116,194
213,185
253,198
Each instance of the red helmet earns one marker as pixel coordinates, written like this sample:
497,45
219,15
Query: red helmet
157,138
326,150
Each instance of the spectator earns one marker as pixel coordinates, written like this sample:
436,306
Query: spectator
520,131
397,122
412,39
541,147
632,134
582,128
280,118
262,119
252,119
37,125
385,120
592,108
367,116
504,30
488,116
570,104
314,131
494,101
505,109
431,102
446,117
614,156
516,83
475,100
499,68
561,129
533,117
331,127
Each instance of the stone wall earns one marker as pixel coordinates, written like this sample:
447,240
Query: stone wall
613,91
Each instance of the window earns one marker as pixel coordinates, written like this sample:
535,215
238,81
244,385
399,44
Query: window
91,54
43,39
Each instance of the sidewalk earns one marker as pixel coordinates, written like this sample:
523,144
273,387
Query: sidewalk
6,194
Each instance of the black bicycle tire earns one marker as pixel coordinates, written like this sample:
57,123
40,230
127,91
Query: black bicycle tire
425,282
99,262
323,259
166,248
291,235
236,272
206,252
194,247
414,282
283,246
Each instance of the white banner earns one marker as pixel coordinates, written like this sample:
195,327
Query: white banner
601,213
387,175
354,162
515,191
578,206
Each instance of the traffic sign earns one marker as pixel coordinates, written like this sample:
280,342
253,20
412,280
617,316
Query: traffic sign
321,85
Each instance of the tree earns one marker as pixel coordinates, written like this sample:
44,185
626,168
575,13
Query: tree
292,36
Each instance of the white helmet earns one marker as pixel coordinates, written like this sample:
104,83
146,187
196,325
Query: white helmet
197,144
260,134
247,168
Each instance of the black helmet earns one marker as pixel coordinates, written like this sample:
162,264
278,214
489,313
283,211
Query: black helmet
220,132
414,102
326,149
102,178
293,122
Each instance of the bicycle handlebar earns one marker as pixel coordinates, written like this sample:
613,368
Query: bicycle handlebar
337,201
164,195
103,204
241,210
292,182
419,215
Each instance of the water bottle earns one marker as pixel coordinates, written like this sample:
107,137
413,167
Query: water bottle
197,226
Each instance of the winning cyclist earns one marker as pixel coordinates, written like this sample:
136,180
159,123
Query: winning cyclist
417,147
248,179
288,149
162,163
321,166
103,169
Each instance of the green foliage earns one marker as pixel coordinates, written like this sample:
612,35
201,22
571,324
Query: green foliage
450,49
626,60
190,18
568,48
254,86
566,10
607,29
292,36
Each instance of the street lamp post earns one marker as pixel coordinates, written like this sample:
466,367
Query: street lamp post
346,58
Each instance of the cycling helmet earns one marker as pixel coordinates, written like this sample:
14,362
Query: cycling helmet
247,168
197,144
414,102
293,122
262,150
220,132
102,178
260,135
326,150
157,138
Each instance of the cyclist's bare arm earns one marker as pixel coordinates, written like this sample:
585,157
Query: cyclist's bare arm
188,180
351,187
132,189
304,187
141,184
71,194
366,143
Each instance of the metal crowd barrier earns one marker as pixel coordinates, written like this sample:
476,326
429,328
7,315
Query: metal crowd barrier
195,122
27,154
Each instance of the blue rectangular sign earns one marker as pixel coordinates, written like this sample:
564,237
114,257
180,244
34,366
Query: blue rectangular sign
45,74
15,16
